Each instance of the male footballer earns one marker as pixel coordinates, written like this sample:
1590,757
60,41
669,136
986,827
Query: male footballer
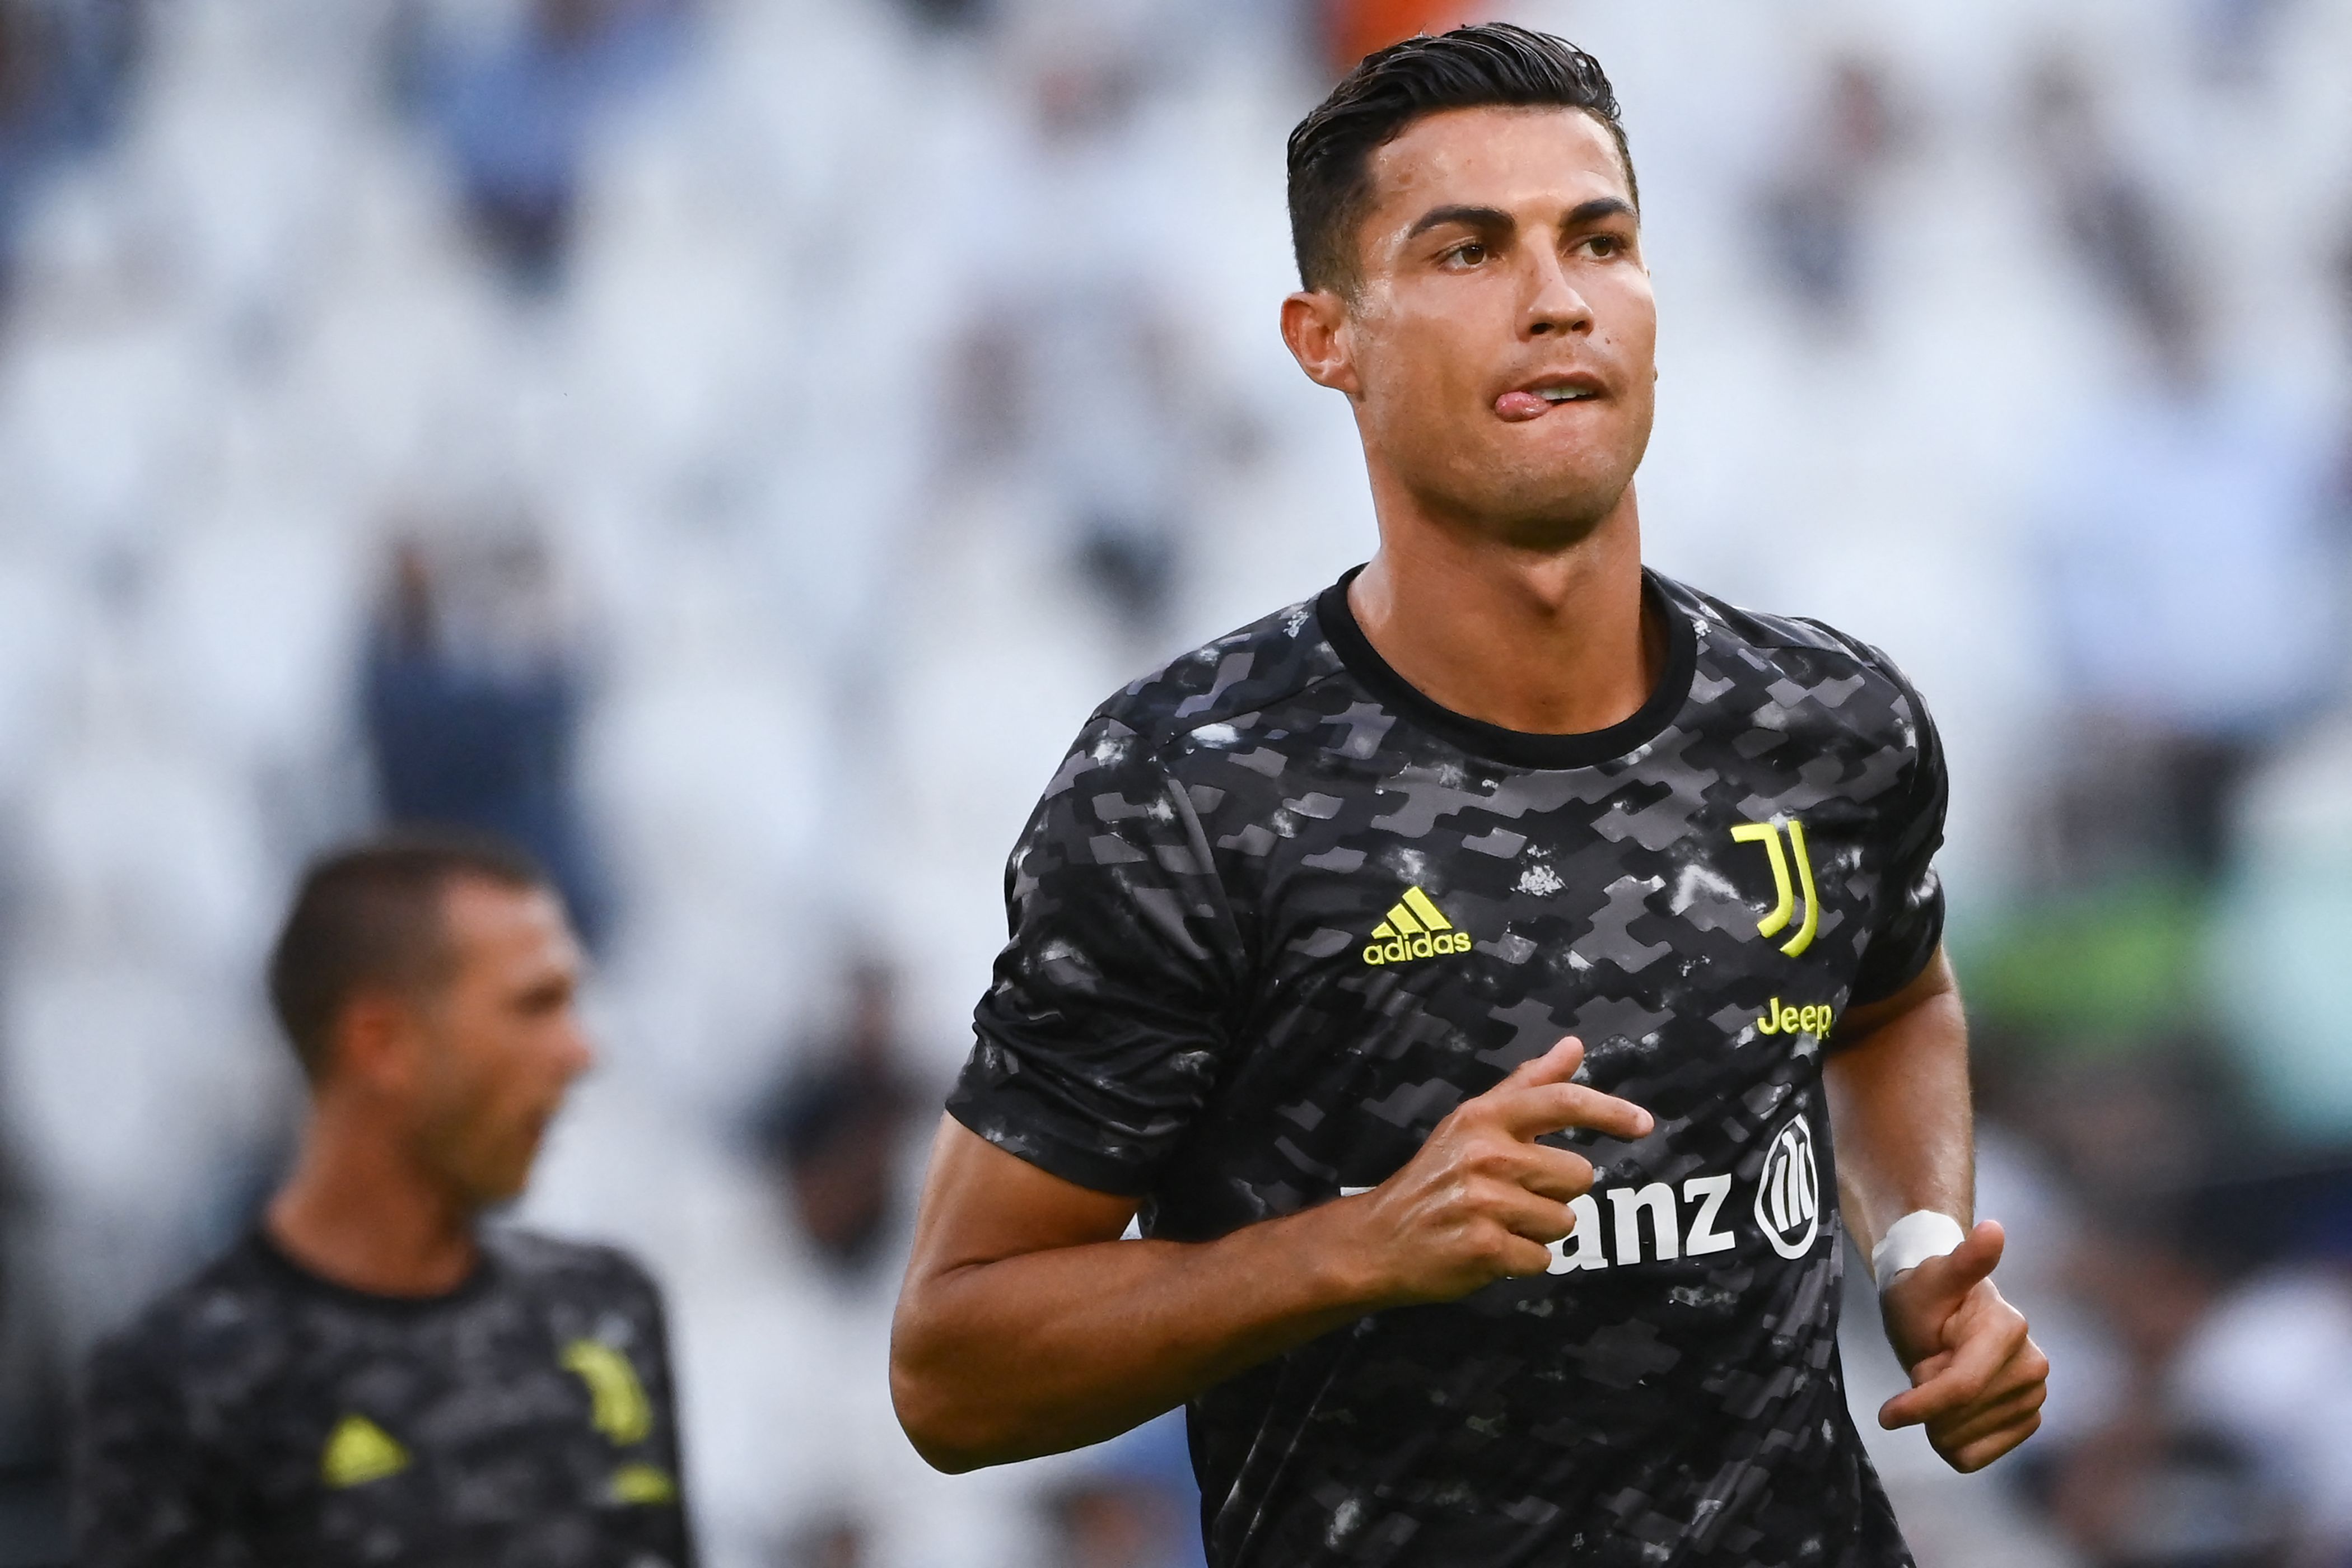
1489,984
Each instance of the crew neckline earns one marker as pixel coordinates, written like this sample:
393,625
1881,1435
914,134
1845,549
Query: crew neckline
274,1257
1519,748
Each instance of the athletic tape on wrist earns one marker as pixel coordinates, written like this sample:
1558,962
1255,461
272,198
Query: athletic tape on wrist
1912,1240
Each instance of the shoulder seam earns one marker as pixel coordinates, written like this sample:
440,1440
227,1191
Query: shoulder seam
1172,735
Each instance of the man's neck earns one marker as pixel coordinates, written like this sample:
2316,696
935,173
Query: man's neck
1546,642
359,1211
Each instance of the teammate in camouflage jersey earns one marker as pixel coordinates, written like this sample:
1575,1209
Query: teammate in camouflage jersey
367,1380
1300,924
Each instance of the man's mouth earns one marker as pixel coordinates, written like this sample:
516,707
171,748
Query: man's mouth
1535,402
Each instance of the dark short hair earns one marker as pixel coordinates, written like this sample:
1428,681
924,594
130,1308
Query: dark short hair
1489,64
372,915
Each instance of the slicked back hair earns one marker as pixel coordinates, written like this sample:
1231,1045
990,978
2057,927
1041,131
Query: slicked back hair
371,916
1486,66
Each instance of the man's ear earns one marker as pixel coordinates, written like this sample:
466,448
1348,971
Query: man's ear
1316,326
374,1044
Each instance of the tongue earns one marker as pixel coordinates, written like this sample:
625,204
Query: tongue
1520,407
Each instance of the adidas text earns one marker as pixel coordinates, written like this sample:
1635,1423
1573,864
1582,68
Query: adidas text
1416,927
1424,946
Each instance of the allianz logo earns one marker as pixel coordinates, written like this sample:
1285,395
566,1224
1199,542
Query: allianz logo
1787,1209
1657,1224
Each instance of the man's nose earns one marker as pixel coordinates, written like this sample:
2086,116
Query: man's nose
1554,304
577,1054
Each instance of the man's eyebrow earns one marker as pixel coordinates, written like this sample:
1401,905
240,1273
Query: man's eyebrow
1598,209
1467,216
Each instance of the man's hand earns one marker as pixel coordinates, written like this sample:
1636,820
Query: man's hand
1483,1200
1977,1380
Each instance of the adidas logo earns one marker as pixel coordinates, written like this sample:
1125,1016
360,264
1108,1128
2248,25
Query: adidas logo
1414,929
359,1452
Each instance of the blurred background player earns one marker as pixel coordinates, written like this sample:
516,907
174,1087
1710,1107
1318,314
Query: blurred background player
372,1376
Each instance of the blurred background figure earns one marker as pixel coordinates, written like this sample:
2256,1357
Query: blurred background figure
1814,217
837,1128
64,70
2199,573
1132,1506
897,379
1078,374
1354,28
518,112
473,693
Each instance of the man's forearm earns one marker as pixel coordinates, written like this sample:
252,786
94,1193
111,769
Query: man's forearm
1047,1350
1898,1092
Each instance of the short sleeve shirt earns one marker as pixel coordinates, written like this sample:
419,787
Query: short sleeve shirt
259,1415
1277,913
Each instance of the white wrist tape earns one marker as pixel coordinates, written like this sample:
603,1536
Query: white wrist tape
1912,1240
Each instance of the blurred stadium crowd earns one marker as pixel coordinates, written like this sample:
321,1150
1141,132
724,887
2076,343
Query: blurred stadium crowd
730,444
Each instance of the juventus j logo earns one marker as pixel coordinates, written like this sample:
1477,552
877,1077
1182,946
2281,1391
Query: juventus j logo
1768,834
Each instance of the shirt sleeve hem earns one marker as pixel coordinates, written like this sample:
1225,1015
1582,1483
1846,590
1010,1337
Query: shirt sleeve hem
1050,1153
1869,987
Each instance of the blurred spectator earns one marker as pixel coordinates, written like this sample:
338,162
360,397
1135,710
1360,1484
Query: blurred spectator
2196,577
951,15
838,1542
2104,204
2270,1367
835,1127
473,692
2233,37
1077,376
64,65
1105,1522
2144,1493
1133,1504
1813,215
519,117
1354,28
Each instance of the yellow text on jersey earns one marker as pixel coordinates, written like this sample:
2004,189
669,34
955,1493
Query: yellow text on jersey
1414,929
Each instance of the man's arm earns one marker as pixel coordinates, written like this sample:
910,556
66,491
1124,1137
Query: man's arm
1898,1092
1027,1327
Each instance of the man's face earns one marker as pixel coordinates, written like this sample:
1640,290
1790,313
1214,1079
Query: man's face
501,1041
1500,351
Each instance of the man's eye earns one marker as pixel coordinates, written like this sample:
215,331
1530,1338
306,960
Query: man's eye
1606,245
1469,255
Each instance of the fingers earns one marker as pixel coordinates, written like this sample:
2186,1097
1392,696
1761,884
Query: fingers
1935,1281
1517,1257
1978,1255
1991,1420
1976,1455
1974,1370
1535,1109
1538,1098
1523,1213
1559,1174
1556,1065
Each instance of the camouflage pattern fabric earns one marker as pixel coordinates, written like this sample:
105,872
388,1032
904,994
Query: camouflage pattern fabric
261,1416
1239,985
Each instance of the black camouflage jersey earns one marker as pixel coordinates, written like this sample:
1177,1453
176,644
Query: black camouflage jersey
1278,913
261,1416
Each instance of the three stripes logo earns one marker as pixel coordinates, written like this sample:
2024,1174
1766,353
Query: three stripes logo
1788,1191
1414,929
1768,834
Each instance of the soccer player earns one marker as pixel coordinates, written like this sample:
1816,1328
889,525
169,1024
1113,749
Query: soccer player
1461,974
371,1378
